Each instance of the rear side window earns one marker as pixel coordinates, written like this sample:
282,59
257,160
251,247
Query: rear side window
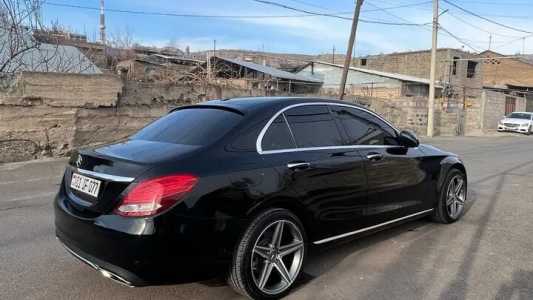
278,136
363,128
313,126
190,126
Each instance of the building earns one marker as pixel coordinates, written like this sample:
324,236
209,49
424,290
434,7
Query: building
156,67
458,69
471,101
400,98
45,57
511,75
368,83
246,74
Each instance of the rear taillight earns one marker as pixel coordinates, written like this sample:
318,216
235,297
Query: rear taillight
155,195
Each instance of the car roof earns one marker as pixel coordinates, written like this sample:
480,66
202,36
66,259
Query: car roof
251,104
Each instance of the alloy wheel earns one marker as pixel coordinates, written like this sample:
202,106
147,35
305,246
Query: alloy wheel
277,257
455,197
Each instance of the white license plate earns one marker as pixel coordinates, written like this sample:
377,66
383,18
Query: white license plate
85,184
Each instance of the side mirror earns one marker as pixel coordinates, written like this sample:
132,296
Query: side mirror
408,139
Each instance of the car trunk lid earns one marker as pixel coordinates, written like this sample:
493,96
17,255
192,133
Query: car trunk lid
106,171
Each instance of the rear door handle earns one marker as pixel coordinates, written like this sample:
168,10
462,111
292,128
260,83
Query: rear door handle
298,165
374,156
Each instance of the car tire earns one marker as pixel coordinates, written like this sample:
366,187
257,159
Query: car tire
256,255
452,201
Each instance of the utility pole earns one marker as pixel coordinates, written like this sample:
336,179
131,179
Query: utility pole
433,71
523,45
333,57
490,41
214,47
349,49
102,23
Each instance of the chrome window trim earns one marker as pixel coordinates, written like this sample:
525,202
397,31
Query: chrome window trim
104,176
327,148
259,140
370,228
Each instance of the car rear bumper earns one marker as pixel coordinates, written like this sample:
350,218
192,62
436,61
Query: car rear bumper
107,270
141,251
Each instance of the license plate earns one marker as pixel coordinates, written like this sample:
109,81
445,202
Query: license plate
85,184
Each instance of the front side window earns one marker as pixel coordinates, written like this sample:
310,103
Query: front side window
313,126
190,126
363,128
277,136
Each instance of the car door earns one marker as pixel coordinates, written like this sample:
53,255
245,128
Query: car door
328,178
396,181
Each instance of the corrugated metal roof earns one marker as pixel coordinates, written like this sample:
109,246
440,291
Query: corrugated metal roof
270,71
401,77
49,58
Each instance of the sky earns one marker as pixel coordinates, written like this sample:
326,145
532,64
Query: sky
305,34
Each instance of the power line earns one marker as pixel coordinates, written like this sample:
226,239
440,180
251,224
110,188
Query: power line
461,40
502,3
486,19
479,28
309,4
514,41
389,13
170,14
395,7
334,15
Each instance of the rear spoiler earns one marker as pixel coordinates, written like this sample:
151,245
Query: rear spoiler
226,108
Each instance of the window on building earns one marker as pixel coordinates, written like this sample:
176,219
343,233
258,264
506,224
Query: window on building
313,126
471,69
363,61
454,66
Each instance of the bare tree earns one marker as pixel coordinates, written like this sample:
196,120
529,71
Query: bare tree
122,39
120,46
25,44
18,18
211,75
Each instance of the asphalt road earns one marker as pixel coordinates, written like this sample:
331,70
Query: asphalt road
488,254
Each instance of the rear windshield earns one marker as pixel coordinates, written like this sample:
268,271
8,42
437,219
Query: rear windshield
190,126
520,116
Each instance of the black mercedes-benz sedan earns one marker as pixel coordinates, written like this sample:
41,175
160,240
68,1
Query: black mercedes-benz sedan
248,186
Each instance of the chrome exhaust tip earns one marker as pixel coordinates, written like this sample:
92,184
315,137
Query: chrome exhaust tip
107,274
114,277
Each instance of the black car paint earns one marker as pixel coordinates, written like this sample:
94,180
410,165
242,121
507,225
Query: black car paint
343,191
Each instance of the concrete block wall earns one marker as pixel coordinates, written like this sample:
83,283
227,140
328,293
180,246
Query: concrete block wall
493,108
417,63
48,114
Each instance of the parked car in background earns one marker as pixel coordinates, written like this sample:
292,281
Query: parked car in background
248,185
521,122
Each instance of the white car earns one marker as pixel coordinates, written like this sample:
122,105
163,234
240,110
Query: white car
521,122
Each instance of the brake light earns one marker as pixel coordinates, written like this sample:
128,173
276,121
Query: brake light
155,195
